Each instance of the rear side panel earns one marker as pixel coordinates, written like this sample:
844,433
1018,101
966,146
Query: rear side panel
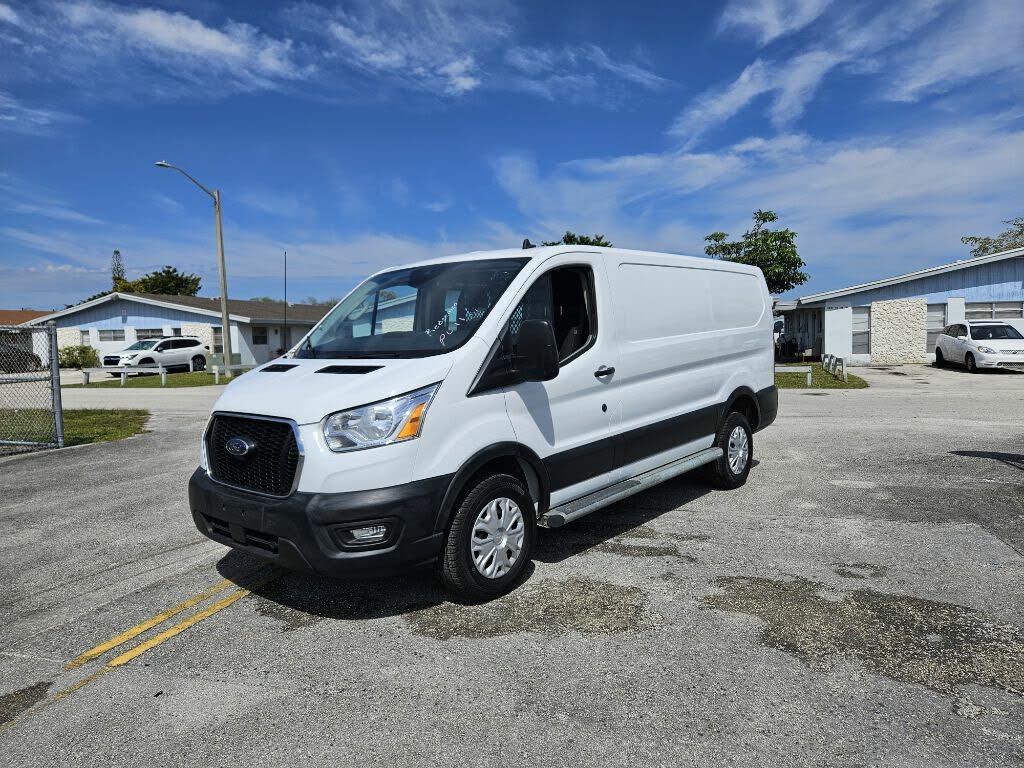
689,336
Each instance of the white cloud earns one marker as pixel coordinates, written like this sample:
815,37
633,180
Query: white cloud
863,208
766,20
580,72
274,203
8,14
978,39
792,86
434,46
459,74
853,42
118,51
56,212
19,118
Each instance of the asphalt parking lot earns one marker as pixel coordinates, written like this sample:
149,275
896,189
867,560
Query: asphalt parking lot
858,602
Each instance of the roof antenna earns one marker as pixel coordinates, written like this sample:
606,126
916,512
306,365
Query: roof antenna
528,244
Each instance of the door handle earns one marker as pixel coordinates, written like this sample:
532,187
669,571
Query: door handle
603,371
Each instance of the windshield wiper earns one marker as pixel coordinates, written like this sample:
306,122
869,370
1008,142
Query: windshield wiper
310,347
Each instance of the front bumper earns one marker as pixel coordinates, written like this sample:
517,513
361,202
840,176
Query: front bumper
1013,362
306,531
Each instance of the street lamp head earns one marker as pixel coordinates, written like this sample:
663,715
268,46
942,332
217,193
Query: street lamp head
162,164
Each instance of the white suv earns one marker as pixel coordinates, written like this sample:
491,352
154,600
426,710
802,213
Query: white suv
169,352
981,344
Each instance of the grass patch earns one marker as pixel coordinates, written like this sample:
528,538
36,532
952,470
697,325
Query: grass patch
81,425
145,381
820,379
96,425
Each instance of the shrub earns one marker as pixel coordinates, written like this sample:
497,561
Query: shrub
79,357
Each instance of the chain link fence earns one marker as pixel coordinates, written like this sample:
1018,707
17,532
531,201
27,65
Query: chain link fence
30,408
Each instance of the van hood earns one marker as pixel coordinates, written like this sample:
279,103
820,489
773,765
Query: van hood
307,390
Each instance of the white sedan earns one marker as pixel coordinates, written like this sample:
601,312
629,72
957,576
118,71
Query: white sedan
981,344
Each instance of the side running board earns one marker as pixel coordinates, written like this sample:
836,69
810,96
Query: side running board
573,510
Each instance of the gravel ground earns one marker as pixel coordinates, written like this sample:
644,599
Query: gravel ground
858,602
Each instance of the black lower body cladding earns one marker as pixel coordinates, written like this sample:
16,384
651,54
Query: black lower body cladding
767,405
308,531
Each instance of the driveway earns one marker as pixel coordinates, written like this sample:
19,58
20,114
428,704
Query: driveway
858,602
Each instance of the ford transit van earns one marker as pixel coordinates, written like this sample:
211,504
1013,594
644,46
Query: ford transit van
442,411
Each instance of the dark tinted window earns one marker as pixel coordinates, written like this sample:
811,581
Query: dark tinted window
993,332
564,297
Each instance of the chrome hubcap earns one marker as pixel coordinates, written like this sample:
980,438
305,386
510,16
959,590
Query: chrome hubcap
739,450
497,539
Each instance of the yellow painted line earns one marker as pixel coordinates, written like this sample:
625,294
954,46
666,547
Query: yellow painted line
191,621
53,699
146,625
77,686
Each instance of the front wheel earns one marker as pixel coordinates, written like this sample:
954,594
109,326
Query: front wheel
940,361
489,540
736,440
972,366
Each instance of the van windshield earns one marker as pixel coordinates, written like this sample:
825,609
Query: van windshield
412,312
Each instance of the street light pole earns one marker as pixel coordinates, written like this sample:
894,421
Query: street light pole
225,320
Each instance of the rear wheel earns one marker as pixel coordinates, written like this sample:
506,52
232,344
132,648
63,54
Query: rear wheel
198,363
940,361
489,540
736,440
972,366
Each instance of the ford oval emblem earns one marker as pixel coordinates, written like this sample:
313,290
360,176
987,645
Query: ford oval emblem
239,446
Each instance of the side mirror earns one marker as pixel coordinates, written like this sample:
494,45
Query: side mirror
535,357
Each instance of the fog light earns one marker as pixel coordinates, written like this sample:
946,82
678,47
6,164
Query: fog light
369,534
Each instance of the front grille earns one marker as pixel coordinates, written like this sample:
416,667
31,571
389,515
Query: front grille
271,462
1012,365
111,360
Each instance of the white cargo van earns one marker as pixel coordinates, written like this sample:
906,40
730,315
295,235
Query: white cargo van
444,410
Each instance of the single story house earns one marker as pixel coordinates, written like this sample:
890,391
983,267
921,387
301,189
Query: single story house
898,319
112,322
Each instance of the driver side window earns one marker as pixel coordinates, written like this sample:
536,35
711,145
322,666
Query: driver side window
565,298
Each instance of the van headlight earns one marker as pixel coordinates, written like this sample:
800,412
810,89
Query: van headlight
389,421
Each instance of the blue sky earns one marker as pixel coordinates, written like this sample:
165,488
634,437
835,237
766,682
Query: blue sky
362,134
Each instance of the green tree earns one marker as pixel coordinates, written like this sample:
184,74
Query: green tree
1011,238
168,281
116,267
571,238
772,250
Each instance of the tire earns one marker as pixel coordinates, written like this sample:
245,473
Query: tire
721,471
940,361
198,363
972,366
489,497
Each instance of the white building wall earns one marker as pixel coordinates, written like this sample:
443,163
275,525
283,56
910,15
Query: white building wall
838,329
955,310
899,331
